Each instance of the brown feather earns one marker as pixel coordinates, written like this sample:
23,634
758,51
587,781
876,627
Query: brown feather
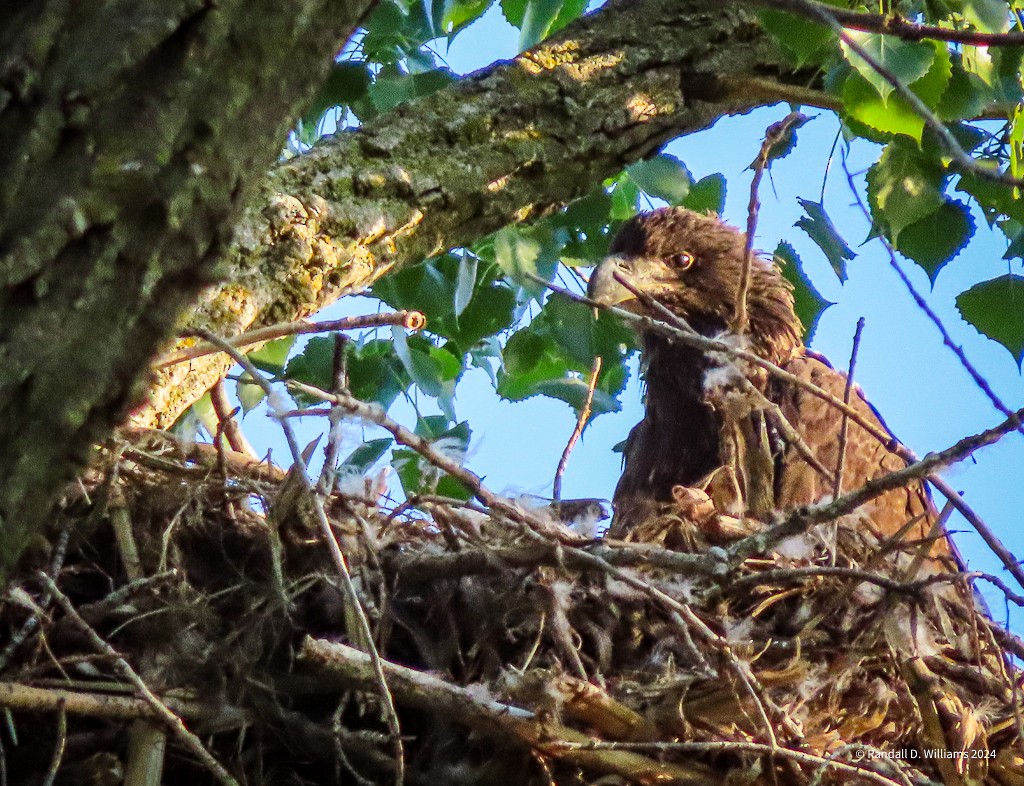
692,264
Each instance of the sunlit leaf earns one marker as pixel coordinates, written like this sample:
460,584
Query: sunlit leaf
272,356
903,187
906,60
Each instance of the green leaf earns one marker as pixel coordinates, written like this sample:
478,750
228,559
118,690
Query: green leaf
965,94
386,93
522,251
374,371
989,16
804,40
460,13
707,195
360,460
433,369
905,60
514,11
417,476
807,301
863,103
555,354
272,356
938,237
663,176
465,285
821,230
903,187
994,307
995,199
205,414
347,83
432,287
625,197
932,86
249,393
538,19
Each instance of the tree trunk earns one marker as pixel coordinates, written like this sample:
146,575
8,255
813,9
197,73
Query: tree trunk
131,134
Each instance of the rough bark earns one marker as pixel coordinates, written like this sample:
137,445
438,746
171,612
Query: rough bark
507,144
131,134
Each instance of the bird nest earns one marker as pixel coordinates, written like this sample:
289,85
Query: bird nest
182,583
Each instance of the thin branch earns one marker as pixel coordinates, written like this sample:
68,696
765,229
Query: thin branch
410,320
278,409
900,27
27,698
826,15
58,749
775,134
125,671
844,426
581,422
228,426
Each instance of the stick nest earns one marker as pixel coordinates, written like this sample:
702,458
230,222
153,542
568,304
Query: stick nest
511,657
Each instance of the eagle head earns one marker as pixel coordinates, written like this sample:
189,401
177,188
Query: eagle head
692,264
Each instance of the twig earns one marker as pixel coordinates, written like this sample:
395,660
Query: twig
125,671
204,455
581,422
58,749
900,27
228,426
421,567
340,376
844,425
104,705
773,135
410,320
277,408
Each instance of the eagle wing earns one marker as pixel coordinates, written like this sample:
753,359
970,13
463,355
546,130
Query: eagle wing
907,512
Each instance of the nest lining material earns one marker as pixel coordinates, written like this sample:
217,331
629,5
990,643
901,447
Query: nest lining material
510,656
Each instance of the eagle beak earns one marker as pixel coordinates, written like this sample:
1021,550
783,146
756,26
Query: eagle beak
604,287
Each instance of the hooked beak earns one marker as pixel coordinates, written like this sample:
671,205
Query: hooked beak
604,287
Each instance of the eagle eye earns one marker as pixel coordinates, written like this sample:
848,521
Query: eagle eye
683,260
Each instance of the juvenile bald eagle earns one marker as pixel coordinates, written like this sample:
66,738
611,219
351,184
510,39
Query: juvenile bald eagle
700,417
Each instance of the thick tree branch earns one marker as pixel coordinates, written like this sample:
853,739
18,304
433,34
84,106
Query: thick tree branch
508,144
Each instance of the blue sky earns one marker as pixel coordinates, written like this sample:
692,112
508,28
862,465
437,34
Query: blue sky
917,384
